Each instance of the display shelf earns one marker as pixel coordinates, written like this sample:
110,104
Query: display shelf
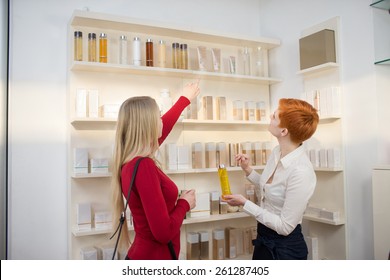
117,82
103,123
188,221
383,62
324,221
91,175
382,4
169,72
124,24
319,68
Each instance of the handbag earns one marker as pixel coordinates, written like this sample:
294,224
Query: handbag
123,216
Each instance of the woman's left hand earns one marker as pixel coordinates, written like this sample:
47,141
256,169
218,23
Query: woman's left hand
235,199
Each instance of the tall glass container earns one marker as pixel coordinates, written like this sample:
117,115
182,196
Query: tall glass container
137,51
78,46
175,55
246,61
161,54
123,49
184,56
103,48
92,47
259,62
149,52
224,180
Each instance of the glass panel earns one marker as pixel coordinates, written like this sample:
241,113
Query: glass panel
383,4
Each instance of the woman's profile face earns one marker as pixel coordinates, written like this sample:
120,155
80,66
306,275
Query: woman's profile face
274,124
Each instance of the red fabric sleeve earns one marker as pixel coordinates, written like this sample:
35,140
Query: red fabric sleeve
170,118
164,215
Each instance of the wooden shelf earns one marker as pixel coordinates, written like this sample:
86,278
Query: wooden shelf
188,221
168,72
319,68
91,175
324,221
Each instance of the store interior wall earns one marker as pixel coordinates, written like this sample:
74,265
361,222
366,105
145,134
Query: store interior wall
38,113
3,125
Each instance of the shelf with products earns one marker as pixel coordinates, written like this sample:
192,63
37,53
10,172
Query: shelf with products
169,72
325,217
188,221
115,82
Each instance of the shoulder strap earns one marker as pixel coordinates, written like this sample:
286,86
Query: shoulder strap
123,214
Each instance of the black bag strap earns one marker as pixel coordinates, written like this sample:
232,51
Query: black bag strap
123,214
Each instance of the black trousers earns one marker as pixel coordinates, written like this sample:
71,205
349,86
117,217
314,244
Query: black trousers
269,245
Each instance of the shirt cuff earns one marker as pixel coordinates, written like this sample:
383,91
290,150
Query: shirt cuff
252,208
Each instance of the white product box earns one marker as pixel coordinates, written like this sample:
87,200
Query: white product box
110,110
88,253
202,208
210,155
99,165
314,157
312,247
334,158
221,154
80,161
171,156
84,218
93,103
103,219
81,103
105,252
183,158
323,158
330,215
313,211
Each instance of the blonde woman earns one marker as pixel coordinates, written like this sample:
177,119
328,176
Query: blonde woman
157,212
285,186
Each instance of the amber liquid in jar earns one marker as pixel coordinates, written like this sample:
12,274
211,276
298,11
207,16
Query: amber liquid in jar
103,48
78,46
92,47
149,52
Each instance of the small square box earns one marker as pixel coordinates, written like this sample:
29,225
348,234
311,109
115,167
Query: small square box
317,48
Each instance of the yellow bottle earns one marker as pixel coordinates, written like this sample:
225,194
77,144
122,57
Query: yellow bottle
224,180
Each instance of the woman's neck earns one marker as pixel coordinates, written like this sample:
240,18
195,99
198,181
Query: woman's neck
286,146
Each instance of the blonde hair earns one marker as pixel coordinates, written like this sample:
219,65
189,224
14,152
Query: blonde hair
137,133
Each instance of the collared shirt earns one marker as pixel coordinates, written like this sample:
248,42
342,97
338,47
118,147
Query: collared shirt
283,201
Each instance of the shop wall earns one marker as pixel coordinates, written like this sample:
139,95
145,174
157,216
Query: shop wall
38,113
364,87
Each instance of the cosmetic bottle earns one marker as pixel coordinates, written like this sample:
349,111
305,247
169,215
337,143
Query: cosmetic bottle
175,55
122,49
137,51
224,180
91,47
161,54
78,45
165,101
149,52
103,48
184,56
246,61
259,62
204,245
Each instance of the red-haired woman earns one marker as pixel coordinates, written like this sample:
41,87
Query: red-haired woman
285,186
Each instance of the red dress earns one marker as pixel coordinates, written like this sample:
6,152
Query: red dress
157,213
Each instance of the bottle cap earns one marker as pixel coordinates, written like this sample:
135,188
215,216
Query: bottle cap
136,39
175,45
78,34
149,40
123,37
221,165
91,36
183,46
103,35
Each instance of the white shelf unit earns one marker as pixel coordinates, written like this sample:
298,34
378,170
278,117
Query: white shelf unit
330,188
381,211
116,82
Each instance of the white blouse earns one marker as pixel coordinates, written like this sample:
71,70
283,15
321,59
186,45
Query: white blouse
284,200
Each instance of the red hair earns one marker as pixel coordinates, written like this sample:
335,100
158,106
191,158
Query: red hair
299,117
